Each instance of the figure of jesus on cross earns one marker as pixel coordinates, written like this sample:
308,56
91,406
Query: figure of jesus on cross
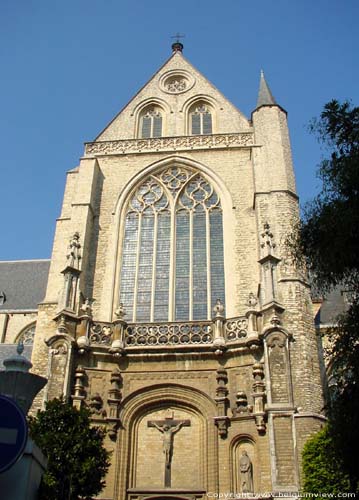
168,428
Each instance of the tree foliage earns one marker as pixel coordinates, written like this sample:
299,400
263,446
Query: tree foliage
328,239
77,459
329,233
323,472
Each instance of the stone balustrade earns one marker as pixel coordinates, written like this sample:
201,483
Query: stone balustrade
190,333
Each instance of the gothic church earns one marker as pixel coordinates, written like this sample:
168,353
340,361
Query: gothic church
173,308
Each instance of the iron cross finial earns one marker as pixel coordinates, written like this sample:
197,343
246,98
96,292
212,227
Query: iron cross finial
177,46
177,36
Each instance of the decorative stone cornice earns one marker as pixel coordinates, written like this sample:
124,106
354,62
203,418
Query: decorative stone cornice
181,143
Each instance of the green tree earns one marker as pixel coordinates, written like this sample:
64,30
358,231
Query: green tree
328,239
329,233
323,472
77,459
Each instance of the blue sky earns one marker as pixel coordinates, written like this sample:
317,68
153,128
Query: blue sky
67,67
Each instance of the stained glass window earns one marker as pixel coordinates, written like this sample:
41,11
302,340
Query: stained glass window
172,252
27,335
151,123
201,120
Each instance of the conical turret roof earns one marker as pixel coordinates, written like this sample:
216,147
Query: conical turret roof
265,96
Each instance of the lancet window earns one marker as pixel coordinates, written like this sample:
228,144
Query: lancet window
200,120
172,253
151,123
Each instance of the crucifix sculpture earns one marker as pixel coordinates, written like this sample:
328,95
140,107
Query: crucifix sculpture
168,428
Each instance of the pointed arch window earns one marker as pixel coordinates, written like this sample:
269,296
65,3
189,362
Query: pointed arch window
200,119
172,252
27,335
151,123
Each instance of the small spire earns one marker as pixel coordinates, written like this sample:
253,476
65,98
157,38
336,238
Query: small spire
265,96
177,46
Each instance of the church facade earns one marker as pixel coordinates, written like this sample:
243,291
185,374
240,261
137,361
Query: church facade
173,308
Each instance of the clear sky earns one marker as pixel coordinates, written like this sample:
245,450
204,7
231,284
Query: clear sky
68,66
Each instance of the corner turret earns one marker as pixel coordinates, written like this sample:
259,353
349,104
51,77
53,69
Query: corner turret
273,161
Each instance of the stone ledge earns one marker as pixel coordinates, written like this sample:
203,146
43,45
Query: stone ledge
180,143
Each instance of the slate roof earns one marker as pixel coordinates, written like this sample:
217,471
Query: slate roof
24,283
265,96
7,350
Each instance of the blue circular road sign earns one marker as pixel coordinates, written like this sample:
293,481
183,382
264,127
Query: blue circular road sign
13,433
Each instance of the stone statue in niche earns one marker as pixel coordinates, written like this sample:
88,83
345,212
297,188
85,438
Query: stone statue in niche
73,252
245,473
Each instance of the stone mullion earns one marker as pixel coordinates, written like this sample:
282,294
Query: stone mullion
208,255
190,265
151,126
154,259
138,249
172,270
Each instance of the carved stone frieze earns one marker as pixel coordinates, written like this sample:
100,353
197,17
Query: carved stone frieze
181,143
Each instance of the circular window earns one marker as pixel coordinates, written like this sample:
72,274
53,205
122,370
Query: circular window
176,82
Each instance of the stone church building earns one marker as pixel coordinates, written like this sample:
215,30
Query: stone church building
172,306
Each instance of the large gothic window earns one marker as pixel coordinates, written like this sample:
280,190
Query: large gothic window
172,254
151,123
200,119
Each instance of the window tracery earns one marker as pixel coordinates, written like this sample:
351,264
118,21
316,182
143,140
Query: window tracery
27,336
151,123
172,254
200,119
